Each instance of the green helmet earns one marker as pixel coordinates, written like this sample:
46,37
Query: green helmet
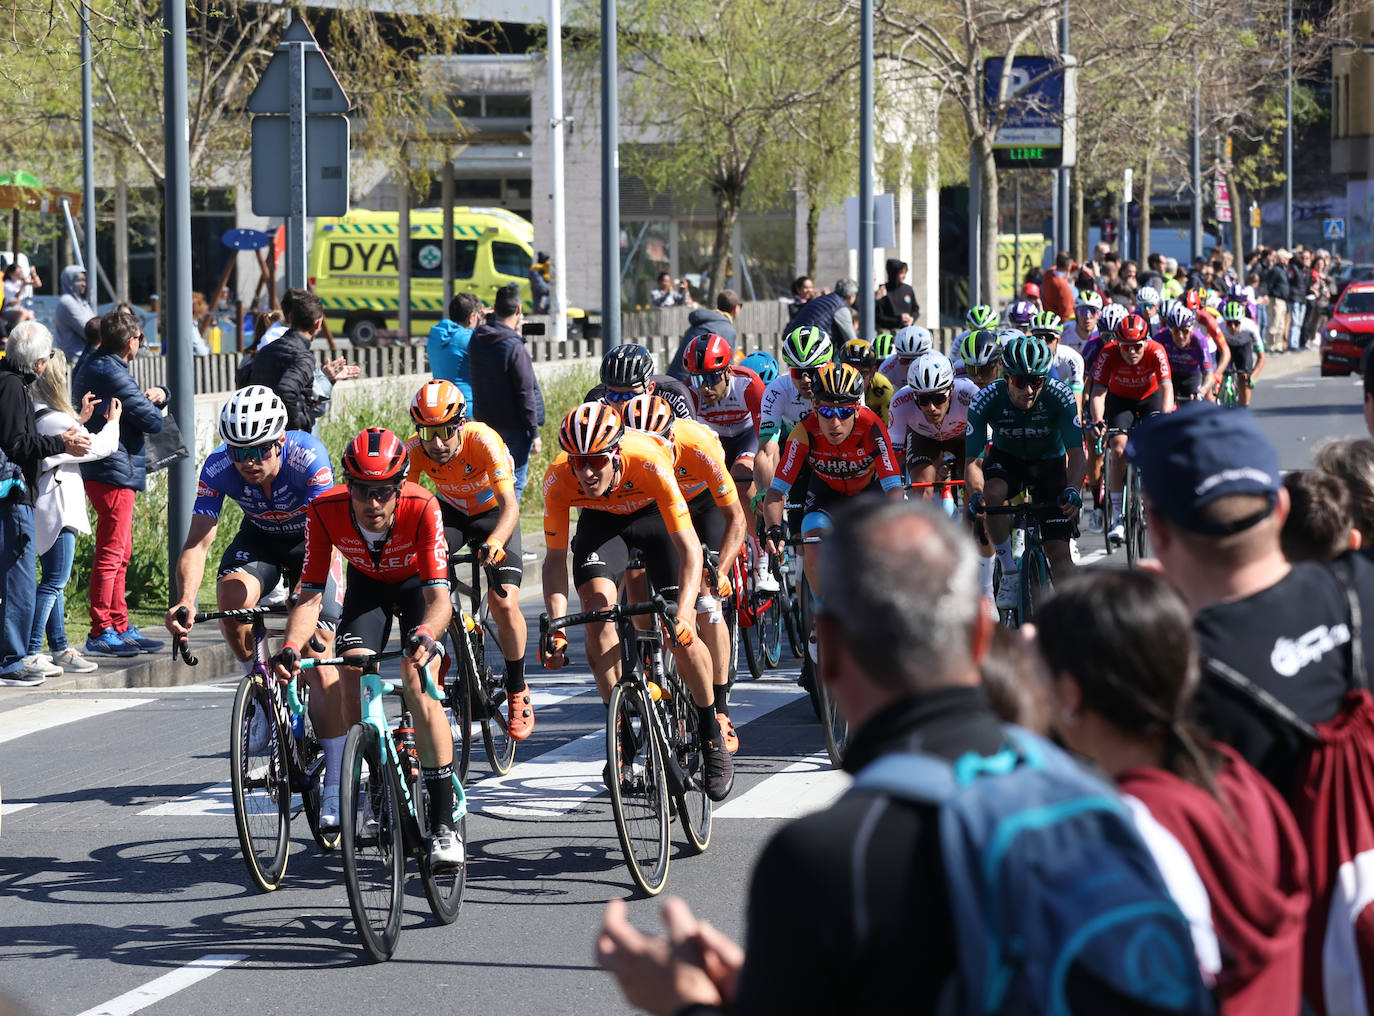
979,348
981,316
882,345
1026,354
1232,311
806,347
1046,321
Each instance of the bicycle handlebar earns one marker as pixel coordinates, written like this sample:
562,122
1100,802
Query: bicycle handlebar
368,663
615,612
1043,510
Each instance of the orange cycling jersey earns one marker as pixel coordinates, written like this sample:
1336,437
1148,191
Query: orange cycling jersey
645,477
847,467
413,546
471,479
699,463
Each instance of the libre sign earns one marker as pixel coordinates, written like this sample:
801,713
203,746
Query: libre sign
1039,129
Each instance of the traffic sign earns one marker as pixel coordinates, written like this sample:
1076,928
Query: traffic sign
323,93
1333,229
1037,127
326,165
1254,216
1029,157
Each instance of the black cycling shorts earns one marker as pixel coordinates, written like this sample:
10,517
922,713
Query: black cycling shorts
707,519
1186,386
369,606
1243,358
794,501
740,449
823,499
272,558
1122,414
461,530
1045,479
922,451
603,540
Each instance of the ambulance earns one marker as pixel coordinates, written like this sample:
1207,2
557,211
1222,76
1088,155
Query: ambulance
353,266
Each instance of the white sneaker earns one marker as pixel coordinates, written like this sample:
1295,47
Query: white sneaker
70,659
813,647
445,849
1009,591
258,735
329,807
1018,542
276,597
1117,534
765,581
1073,550
41,663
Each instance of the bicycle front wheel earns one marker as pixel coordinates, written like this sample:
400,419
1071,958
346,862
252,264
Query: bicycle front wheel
688,742
639,788
1137,496
261,789
459,691
768,626
370,835
444,890
791,613
1035,583
1131,518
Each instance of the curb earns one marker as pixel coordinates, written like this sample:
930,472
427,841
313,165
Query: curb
1281,365
151,670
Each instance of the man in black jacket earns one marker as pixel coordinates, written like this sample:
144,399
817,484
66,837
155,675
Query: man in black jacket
287,366
897,307
704,321
505,394
1276,279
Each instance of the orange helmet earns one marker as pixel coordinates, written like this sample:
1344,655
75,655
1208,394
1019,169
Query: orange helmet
437,403
376,456
592,428
651,413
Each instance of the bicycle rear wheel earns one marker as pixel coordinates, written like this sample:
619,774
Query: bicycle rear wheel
1035,583
639,788
458,691
310,800
790,608
444,890
1131,518
261,789
767,624
496,737
374,859
1137,496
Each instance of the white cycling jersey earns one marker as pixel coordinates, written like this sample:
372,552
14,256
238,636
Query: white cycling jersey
1245,333
895,371
782,409
1068,367
908,418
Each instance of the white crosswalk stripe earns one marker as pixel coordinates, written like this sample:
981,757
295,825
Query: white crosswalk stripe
39,716
803,787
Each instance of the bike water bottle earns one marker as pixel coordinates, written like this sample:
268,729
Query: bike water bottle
405,740
298,726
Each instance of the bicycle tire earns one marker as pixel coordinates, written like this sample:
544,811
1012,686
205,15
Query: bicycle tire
496,737
374,859
1035,584
1137,495
260,787
791,612
310,802
683,724
459,695
1131,518
639,787
768,624
444,890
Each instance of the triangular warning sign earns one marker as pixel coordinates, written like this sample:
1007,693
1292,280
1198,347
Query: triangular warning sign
323,93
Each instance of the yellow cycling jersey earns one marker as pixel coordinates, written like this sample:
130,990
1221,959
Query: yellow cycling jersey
878,397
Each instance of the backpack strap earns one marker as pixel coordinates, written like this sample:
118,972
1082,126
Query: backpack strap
914,777
1260,697
1343,569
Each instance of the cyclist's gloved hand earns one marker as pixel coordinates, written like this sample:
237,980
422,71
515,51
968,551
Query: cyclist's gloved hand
420,644
975,507
1071,500
684,632
492,552
553,650
773,536
287,662
723,586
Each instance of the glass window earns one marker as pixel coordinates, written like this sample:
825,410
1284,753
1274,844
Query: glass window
508,105
1353,302
476,190
510,259
427,258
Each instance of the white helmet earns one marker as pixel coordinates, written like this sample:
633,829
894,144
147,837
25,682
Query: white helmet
252,416
913,340
1147,296
932,372
1112,315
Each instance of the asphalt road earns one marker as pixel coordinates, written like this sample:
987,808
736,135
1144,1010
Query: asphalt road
122,889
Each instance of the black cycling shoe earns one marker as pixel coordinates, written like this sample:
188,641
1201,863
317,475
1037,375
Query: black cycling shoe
720,772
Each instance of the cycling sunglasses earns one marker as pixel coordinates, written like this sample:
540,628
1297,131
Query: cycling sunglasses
254,453
802,373
381,493
1132,346
1030,382
443,431
613,398
837,412
580,462
932,398
708,380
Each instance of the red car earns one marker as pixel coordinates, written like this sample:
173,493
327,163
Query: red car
1349,331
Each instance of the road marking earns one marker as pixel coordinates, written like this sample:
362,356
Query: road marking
803,787
561,780
9,808
1293,384
40,716
164,691
168,984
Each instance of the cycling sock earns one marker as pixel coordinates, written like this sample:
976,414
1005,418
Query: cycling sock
722,705
439,783
985,570
333,759
1116,504
1004,555
515,674
706,720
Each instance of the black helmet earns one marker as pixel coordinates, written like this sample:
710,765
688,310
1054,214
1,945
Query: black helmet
627,366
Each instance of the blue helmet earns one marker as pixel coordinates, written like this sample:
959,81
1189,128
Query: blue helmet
762,363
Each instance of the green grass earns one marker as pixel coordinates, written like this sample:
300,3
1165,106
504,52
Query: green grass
560,395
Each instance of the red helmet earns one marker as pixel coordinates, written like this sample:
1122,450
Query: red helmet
376,456
1193,298
1030,289
1133,329
651,413
707,354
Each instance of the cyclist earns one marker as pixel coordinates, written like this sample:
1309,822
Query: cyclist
472,471
980,357
718,518
1196,300
762,363
1147,303
1037,445
1107,323
1067,365
1087,306
849,452
623,484
391,533
909,343
1242,336
1190,354
1131,380
627,371
930,420
1020,313
272,474
882,345
980,315
728,399
878,390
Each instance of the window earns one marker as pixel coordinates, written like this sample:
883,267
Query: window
514,106
466,189
1353,302
509,259
427,259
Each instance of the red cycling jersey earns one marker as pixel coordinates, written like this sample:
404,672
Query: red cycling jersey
413,546
1133,381
847,467
738,412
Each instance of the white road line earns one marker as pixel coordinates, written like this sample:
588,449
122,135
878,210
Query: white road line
560,780
225,688
9,808
803,787
40,716
168,984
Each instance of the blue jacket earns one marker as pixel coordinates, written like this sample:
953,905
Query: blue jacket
448,355
505,394
106,374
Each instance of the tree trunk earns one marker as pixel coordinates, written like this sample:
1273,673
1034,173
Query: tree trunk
1237,228
727,213
1146,179
813,229
1080,225
991,225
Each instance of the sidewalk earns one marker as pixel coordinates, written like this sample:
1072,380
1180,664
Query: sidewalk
1286,365
154,670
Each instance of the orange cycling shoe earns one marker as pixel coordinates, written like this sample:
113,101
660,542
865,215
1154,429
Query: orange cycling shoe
727,730
521,714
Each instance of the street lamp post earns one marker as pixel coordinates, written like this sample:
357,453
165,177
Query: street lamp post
1288,140
610,181
866,303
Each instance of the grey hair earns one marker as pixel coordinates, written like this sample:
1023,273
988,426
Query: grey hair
901,581
29,342
847,288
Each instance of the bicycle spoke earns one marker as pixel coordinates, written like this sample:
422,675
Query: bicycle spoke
639,790
261,791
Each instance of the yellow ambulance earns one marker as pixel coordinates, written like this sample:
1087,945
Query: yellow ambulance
353,266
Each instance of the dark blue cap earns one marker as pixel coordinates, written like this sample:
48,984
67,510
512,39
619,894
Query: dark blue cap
1189,458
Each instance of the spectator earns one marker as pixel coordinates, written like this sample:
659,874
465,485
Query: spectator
14,310
704,321
448,342
268,326
22,450
1320,523
665,294
1324,293
829,312
1015,681
113,481
73,311
897,307
506,394
1123,290
1259,289
1056,288
1352,462
60,510
1276,281
803,289
539,290
1125,667
287,366
1368,376
1302,297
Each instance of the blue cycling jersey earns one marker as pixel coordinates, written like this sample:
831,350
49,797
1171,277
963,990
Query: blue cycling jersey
305,473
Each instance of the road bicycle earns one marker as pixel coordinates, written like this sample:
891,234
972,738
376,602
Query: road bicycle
1036,575
655,762
271,758
384,811
834,728
477,692
1133,517
788,605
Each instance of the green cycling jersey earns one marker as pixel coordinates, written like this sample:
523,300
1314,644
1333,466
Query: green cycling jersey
1044,431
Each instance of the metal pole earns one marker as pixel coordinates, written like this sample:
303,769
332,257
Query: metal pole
1065,224
1195,230
558,296
975,230
1288,140
181,476
446,247
1016,240
865,298
403,248
88,160
610,181
295,219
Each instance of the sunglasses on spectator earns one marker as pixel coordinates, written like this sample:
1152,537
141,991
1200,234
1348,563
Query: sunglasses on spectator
443,431
589,461
708,380
1030,382
837,412
381,493
801,373
254,453
616,397
932,398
